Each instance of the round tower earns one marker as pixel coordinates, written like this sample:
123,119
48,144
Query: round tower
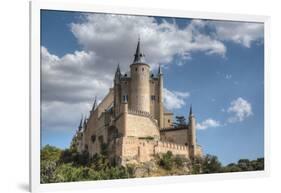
192,134
140,87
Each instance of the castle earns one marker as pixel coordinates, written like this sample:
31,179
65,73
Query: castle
131,122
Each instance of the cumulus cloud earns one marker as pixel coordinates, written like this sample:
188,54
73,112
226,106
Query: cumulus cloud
174,99
243,33
113,38
240,110
208,123
73,80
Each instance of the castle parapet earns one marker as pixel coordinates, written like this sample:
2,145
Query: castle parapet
144,114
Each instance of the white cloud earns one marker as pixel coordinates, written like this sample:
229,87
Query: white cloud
174,99
208,123
244,33
113,39
228,76
76,78
241,109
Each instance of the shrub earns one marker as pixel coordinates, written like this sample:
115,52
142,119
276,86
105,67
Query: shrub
166,161
211,164
50,153
47,171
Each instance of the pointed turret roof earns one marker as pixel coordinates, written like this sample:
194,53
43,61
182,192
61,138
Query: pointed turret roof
190,111
80,125
94,105
159,70
117,73
138,55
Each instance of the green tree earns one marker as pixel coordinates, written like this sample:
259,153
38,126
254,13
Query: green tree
180,121
47,171
166,161
50,153
211,164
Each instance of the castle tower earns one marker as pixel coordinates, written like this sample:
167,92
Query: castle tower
140,88
160,100
192,132
80,125
117,89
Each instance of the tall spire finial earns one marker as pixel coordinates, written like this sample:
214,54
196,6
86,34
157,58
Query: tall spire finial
138,55
159,70
94,105
80,125
117,73
190,110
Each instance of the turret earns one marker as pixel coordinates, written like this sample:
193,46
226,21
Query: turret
117,90
140,86
94,105
80,125
192,126
192,132
117,75
160,100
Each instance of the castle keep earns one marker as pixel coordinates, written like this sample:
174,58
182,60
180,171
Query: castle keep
131,122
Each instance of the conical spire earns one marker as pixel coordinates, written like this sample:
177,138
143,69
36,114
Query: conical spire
80,125
118,69
190,111
138,54
159,70
94,105
85,122
117,73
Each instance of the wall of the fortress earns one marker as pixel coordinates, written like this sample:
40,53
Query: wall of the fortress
168,119
141,150
179,136
106,102
141,126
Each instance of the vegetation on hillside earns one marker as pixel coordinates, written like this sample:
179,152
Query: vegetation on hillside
68,166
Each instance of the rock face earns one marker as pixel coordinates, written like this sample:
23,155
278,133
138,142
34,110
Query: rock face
145,169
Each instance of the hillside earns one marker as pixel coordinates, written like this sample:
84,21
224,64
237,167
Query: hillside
68,165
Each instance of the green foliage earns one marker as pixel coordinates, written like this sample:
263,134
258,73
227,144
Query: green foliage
147,138
166,161
68,165
47,171
50,153
245,165
180,121
180,161
211,164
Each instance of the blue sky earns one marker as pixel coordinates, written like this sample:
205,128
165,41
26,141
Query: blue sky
216,66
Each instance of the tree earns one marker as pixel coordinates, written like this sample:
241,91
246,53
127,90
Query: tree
50,153
166,161
47,171
211,164
180,121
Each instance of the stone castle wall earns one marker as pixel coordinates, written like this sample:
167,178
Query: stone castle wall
179,136
141,124
141,150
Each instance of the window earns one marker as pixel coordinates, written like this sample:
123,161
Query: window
93,138
142,69
153,97
168,120
136,69
125,98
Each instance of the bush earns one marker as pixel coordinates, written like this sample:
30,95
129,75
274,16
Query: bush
211,164
50,153
166,161
47,172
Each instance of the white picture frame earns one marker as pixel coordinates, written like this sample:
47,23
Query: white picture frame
36,6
